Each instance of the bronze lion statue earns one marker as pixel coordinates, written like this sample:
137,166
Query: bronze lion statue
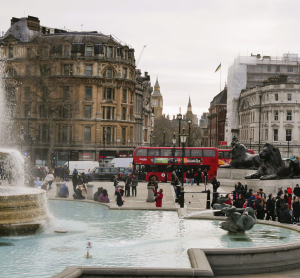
273,167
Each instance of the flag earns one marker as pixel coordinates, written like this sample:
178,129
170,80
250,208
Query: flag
218,68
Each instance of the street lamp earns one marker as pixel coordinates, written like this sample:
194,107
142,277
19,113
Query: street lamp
183,137
164,137
104,132
151,135
179,117
174,144
22,136
189,122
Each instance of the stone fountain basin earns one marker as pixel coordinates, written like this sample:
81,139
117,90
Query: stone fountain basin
22,210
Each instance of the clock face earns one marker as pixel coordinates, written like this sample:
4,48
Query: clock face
161,104
154,103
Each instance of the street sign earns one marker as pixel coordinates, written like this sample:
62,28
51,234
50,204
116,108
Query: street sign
89,245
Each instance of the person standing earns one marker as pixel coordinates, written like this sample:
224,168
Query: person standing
159,197
134,185
270,207
199,172
192,177
205,175
188,177
49,179
75,179
116,182
296,209
260,210
120,198
297,191
279,206
127,185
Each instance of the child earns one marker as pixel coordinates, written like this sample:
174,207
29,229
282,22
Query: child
245,204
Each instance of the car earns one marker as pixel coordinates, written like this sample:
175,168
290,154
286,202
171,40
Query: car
102,173
123,172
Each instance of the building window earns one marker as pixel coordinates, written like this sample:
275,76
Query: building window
276,97
123,135
109,74
289,115
275,115
289,97
65,134
110,52
88,92
65,113
269,67
277,68
108,134
27,70
267,116
29,52
124,113
87,134
124,73
108,112
67,49
266,134
26,110
11,73
275,134
10,51
70,134
288,135
68,69
89,51
66,92
124,96
88,70
44,133
290,69
27,92
88,111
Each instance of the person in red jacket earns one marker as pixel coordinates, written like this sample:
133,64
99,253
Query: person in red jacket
159,197
290,190
229,202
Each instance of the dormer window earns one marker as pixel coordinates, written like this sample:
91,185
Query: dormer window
10,51
89,51
110,52
67,50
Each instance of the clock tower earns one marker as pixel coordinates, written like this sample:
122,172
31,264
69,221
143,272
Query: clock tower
157,101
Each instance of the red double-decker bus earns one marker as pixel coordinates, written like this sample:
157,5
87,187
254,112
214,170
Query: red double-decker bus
225,156
161,161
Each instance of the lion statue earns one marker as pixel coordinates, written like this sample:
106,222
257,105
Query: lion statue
273,167
241,159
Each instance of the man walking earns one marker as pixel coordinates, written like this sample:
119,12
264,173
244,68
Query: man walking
134,184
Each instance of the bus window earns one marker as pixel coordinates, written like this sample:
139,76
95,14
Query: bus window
164,152
178,153
153,152
196,153
141,152
221,154
227,154
187,152
209,153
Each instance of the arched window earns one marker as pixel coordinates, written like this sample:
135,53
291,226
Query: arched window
11,73
109,73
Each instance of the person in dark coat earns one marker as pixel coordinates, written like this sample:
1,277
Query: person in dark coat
297,190
260,210
240,201
296,209
78,194
84,178
192,177
119,197
188,177
285,216
270,208
116,182
135,182
279,206
75,180
249,194
279,193
199,179
205,175
128,182
215,184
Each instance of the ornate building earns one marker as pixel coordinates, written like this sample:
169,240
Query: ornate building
157,101
91,79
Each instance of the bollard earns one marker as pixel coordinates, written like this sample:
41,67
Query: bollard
90,192
150,194
58,185
208,199
181,197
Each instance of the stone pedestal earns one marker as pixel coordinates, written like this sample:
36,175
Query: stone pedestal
90,191
58,185
150,194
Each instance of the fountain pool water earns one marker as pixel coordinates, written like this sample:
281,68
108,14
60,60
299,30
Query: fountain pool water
121,238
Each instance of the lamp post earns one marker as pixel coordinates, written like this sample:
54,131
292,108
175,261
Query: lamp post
164,137
189,122
22,136
104,132
183,137
151,135
259,124
250,143
179,117
174,144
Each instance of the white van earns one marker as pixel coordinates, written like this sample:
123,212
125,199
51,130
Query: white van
81,166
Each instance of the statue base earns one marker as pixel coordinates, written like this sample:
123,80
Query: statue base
228,177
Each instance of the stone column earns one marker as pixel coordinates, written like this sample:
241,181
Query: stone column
58,185
90,191
150,194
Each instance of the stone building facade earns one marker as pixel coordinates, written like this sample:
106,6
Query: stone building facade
217,118
97,71
270,114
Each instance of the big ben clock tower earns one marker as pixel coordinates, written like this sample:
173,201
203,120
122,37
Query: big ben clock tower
157,101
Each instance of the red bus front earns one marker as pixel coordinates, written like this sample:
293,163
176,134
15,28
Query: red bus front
161,162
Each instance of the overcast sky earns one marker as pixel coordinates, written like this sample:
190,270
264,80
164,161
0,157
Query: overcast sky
186,40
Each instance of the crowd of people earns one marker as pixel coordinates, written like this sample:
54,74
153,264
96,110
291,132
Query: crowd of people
285,206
